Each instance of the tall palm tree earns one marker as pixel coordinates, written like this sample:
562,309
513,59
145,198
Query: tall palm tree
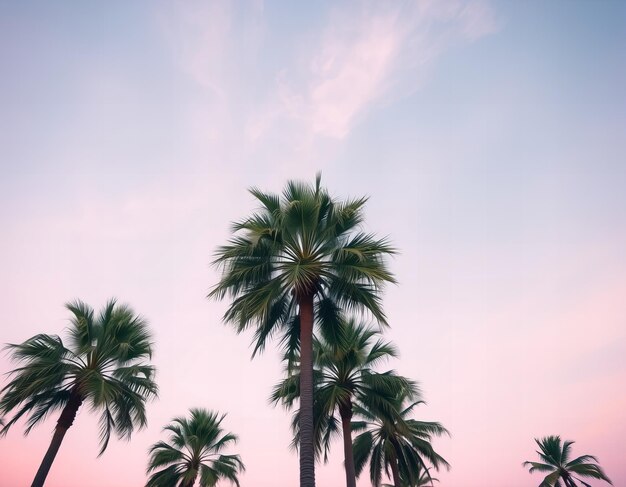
103,365
397,445
556,461
344,372
296,261
194,448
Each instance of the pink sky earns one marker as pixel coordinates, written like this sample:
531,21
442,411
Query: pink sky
489,136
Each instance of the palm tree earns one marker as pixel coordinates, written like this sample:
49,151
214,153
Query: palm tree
556,461
297,261
103,365
395,444
194,448
344,373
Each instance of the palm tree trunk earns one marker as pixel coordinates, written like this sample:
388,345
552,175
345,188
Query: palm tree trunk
307,448
63,424
346,425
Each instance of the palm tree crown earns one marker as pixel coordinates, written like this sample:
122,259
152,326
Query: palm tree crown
396,444
295,262
103,365
302,245
194,448
555,460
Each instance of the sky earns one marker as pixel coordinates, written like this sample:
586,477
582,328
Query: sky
488,135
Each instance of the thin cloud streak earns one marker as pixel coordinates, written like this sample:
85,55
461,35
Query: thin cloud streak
199,34
364,56
367,53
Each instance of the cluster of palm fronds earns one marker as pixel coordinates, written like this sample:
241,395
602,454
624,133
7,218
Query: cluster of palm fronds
301,270
350,396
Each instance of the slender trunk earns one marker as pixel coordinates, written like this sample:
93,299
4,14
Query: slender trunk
307,448
346,425
63,424
395,472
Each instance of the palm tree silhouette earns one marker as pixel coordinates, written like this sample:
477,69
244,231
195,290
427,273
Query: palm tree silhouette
103,365
555,459
194,449
296,261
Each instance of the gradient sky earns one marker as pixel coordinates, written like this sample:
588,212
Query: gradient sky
490,137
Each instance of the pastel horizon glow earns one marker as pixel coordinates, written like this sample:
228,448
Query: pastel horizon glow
488,135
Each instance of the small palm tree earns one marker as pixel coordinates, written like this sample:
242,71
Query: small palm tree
556,462
344,372
395,444
294,263
194,448
103,366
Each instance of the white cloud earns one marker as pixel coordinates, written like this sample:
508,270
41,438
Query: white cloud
365,54
349,71
371,53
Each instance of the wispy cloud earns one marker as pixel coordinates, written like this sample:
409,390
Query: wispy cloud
216,45
199,33
365,54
